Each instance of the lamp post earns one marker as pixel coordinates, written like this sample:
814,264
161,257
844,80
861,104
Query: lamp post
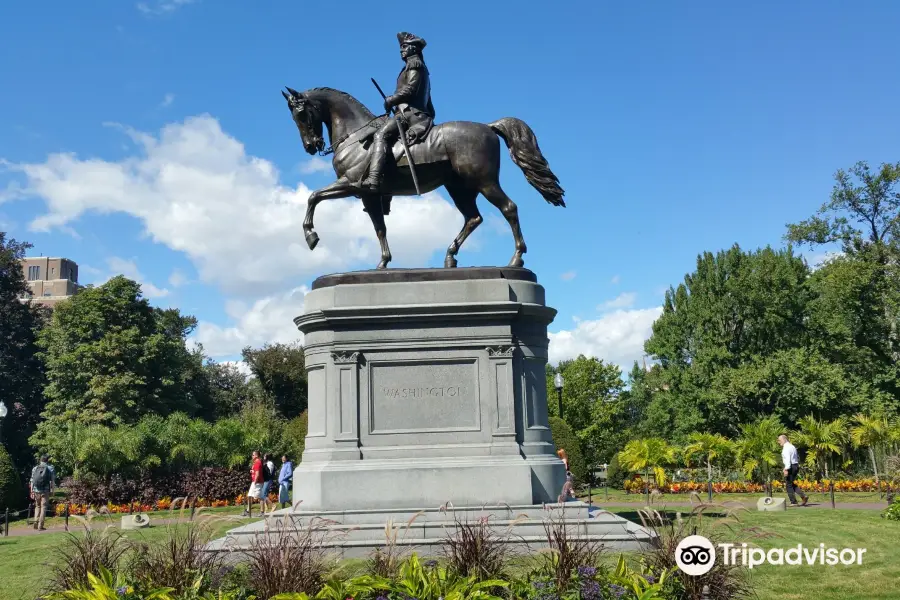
558,384
3,412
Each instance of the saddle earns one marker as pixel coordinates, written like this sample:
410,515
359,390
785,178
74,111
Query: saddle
426,143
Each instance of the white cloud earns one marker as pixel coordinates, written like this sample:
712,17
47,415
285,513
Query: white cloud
623,300
616,337
197,191
177,278
161,7
128,268
820,259
615,280
316,164
568,276
167,100
242,367
270,319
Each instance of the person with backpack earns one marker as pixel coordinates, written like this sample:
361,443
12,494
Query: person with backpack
268,477
43,480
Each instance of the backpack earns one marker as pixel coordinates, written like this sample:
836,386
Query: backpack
266,472
41,478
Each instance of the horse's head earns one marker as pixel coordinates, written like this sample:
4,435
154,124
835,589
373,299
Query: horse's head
309,121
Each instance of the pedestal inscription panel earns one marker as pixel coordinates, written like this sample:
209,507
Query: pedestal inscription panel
423,396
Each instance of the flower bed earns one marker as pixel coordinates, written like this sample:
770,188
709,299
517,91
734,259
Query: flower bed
636,486
162,504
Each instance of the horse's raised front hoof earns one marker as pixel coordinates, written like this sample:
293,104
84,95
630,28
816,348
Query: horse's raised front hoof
450,262
312,238
516,262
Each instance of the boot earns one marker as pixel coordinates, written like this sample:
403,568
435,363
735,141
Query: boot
375,179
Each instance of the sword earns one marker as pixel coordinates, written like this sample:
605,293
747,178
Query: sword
409,158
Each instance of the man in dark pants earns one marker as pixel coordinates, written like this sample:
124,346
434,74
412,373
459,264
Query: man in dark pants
791,461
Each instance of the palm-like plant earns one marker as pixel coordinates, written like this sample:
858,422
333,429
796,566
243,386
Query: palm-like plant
650,454
708,446
821,439
870,432
757,448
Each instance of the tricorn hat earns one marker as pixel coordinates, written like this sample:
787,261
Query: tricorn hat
409,38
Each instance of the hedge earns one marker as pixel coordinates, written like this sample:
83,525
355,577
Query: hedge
212,483
12,493
565,438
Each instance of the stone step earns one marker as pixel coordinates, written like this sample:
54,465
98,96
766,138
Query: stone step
402,516
359,532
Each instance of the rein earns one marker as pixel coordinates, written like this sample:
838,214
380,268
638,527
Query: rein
336,144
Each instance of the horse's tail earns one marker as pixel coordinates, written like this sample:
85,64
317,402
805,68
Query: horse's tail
525,152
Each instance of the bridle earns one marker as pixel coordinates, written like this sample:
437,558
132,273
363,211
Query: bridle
311,115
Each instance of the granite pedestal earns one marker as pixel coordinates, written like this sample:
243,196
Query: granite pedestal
427,388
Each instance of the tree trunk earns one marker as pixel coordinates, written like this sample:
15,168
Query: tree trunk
708,469
874,463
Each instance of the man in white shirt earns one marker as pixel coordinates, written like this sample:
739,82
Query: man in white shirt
791,461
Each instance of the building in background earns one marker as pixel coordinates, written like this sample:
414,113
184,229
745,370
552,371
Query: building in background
50,279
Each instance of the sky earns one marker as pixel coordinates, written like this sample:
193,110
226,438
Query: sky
150,139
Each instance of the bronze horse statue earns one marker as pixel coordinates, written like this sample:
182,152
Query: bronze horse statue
462,156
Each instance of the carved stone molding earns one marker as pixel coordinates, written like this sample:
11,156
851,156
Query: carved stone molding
345,358
500,351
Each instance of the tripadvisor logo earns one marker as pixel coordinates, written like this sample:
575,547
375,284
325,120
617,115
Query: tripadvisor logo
696,555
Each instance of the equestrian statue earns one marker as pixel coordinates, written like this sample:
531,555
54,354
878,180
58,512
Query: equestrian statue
403,152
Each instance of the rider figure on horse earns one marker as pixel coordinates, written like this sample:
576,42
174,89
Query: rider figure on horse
413,102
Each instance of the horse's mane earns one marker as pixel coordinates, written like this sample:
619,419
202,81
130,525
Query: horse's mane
347,96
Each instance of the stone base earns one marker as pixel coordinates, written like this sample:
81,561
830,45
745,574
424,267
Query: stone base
358,533
427,386
389,484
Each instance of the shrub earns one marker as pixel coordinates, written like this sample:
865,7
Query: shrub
12,494
289,559
211,483
87,553
724,581
475,550
892,512
295,437
569,551
565,438
179,562
615,474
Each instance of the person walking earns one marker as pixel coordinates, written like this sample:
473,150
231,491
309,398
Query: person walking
43,480
256,484
285,479
268,478
791,461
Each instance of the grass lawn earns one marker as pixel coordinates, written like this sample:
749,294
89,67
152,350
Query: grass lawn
74,523
599,497
876,579
23,559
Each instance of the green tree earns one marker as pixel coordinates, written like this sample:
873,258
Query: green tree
648,455
228,388
862,303
757,448
21,371
821,439
281,372
870,432
12,493
593,404
112,358
863,211
736,308
709,447
295,437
